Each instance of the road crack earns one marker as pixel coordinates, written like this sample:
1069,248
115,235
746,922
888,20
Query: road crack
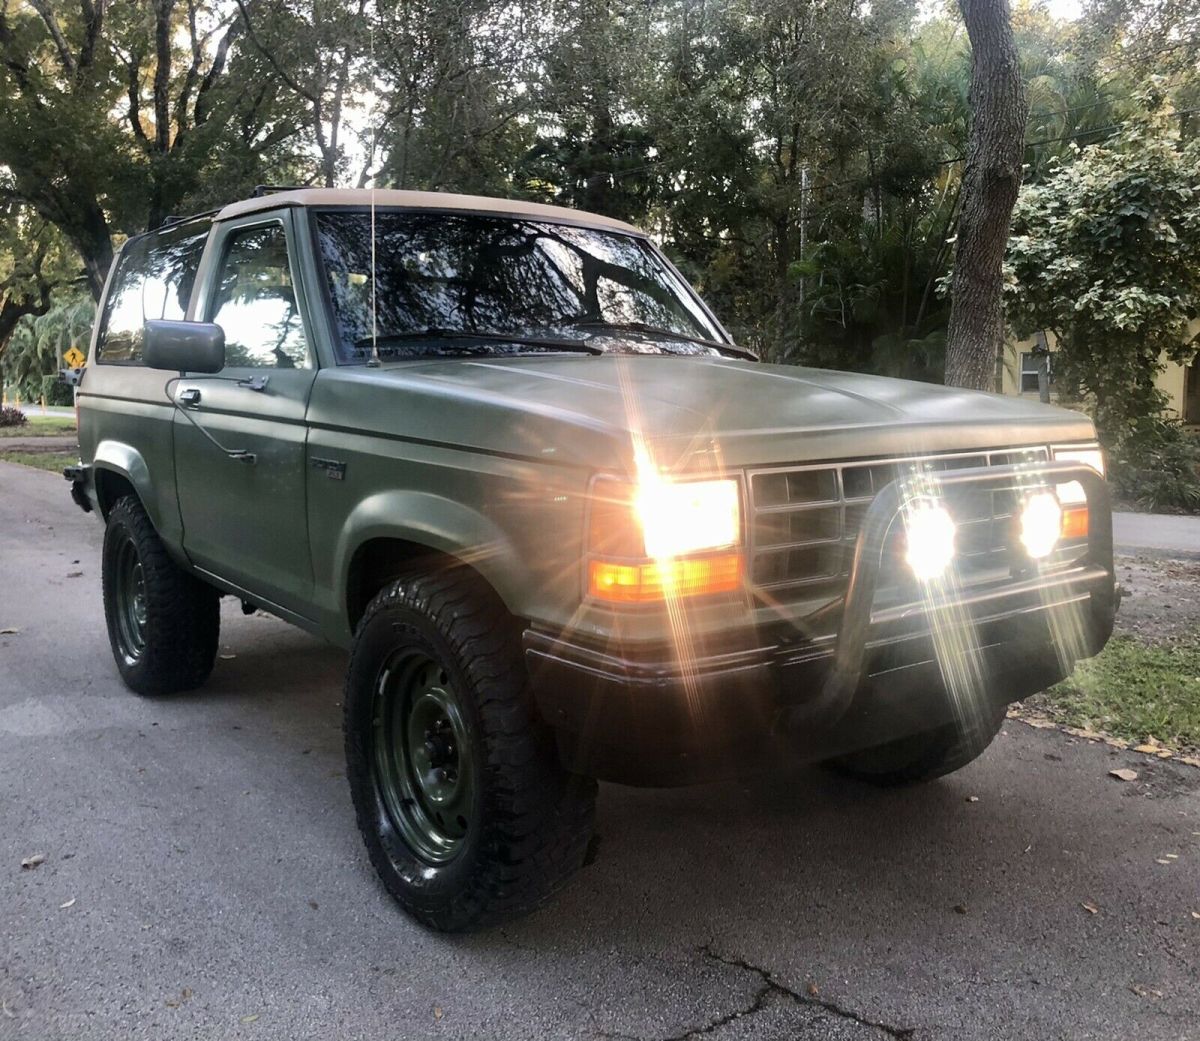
770,988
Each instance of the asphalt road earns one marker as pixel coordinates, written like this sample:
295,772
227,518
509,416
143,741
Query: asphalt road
204,880
1164,534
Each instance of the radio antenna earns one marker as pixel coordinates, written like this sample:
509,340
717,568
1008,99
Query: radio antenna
374,362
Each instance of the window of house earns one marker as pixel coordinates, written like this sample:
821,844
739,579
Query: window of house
255,302
154,279
1030,363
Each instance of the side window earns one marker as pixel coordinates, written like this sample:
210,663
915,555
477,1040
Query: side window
255,302
154,279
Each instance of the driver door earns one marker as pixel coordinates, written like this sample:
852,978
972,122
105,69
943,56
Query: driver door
244,519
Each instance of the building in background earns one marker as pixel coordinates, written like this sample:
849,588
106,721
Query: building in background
1024,360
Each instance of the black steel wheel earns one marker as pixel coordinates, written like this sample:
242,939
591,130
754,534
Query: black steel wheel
163,624
466,813
423,756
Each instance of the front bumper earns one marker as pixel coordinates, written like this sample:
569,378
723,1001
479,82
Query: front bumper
644,716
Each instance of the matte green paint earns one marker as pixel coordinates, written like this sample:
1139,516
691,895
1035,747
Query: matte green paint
486,459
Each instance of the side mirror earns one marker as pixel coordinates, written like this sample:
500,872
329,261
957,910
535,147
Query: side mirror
183,346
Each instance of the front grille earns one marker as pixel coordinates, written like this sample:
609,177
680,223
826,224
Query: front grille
805,519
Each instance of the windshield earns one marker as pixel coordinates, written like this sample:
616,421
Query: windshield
451,283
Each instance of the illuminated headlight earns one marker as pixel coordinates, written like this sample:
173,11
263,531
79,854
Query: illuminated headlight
685,517
1041,524
1071,493
929,533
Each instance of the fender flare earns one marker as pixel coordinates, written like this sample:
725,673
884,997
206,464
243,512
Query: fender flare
434,522
125,460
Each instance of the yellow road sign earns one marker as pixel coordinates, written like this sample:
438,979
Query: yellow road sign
74,357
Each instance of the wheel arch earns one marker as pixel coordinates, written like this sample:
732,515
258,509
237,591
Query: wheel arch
118,470
392,532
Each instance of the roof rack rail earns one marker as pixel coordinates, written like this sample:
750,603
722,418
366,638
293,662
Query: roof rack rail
176,218
270,189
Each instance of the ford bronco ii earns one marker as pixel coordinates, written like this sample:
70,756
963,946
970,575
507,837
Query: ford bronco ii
566,528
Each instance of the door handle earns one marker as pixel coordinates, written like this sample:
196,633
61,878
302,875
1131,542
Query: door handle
189,397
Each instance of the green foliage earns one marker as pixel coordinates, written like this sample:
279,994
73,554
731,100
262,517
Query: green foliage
1106,255
12,417
798,159
1156,463
1134,692
51,461
36,348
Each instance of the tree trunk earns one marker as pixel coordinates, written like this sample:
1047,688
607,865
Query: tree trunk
990,182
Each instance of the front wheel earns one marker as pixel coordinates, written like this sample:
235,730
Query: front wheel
466,813
923,757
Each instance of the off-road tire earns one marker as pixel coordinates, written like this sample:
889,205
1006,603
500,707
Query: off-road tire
924,757
182,614
532,819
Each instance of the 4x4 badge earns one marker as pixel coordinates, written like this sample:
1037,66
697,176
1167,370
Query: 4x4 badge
334,469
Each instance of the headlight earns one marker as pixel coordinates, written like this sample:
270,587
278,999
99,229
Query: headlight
1041,524
659,539
929,532
688,517
1072,492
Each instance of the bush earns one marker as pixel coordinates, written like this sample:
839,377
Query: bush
1156,464
56,391
12,417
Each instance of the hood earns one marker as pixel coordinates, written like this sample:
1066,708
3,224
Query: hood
689,411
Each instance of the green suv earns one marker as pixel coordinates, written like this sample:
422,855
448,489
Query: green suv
565,527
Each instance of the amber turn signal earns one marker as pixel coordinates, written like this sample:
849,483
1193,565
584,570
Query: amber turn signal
1075,522
657,580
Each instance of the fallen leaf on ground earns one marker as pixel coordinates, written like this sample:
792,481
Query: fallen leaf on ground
437,1011
250,1019
29,863
1150,748
1090,908
1196,914
69,903
1124,774
813,990
960,908
10,631
1142,991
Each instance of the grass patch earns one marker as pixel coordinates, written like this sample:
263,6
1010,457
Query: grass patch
41,426
52,461
1133,691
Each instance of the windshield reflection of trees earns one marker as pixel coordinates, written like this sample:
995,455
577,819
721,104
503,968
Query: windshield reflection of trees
483,274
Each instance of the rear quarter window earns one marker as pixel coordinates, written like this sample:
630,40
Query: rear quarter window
154,279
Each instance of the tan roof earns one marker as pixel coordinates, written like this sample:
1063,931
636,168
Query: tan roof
424,201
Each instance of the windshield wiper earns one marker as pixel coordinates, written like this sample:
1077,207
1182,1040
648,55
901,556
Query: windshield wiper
440,333
655,330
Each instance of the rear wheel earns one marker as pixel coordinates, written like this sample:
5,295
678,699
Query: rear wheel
163,624
923,757
467,815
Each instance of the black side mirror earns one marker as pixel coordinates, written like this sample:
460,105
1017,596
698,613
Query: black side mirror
183,346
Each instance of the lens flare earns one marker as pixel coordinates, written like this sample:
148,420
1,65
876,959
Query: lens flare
1041,524
929,531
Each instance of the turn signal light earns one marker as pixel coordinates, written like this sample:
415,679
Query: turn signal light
657,580
1075,522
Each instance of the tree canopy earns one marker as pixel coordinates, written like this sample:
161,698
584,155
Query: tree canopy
801,160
